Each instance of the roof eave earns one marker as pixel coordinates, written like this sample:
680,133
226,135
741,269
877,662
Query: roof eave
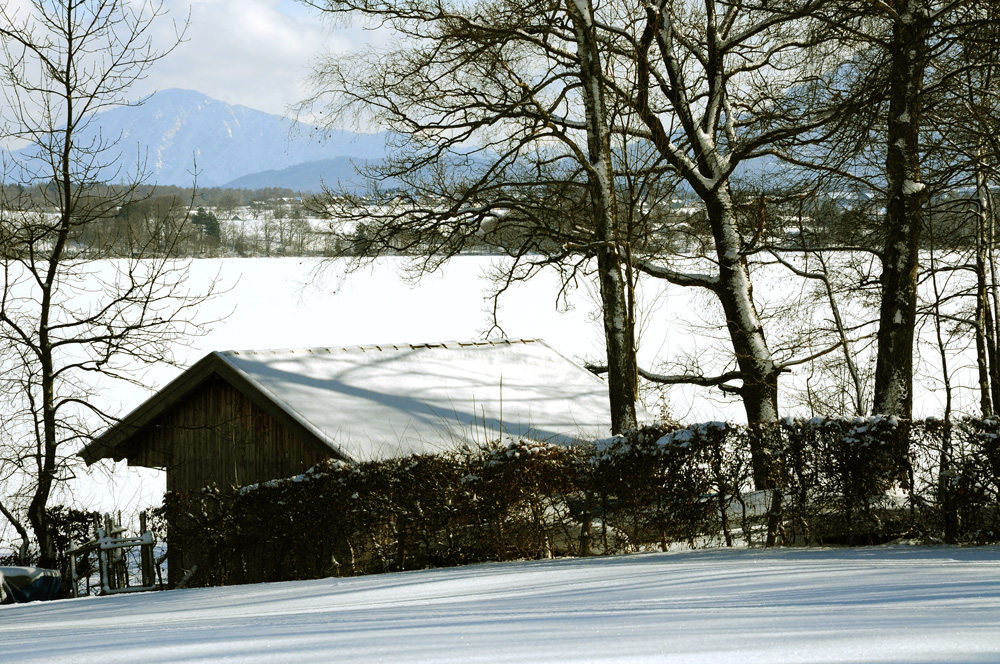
110,444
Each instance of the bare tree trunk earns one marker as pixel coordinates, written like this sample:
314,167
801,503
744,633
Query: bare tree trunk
49,438
906,196
984,356
619,335
942,345
992,306
945,490
759,391
845,344
619,331
22,551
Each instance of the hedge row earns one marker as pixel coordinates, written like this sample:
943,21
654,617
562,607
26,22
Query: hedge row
850,481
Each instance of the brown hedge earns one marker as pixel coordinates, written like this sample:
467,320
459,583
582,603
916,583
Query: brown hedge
846,480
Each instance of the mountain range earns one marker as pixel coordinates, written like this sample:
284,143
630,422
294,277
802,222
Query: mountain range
179,132
176,133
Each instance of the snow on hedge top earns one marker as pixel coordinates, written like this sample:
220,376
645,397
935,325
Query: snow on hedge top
390,400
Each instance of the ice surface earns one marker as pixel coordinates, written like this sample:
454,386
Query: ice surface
881,604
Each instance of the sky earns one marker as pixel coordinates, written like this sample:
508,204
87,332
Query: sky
256,53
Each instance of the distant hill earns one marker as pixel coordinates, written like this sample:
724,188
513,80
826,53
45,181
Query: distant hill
176,129
306,177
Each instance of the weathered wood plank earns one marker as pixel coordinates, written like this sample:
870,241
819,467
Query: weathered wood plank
218,435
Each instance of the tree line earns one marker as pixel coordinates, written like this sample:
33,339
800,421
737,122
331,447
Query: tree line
269,221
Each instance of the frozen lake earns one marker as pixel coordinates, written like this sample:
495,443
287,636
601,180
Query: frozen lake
270,303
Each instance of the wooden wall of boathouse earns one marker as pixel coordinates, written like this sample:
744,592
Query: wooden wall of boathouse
218,435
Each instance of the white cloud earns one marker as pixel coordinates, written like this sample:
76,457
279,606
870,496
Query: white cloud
256,53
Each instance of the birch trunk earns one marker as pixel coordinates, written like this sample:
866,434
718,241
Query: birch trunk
985,352
992,307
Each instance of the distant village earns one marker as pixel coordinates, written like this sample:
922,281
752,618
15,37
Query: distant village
275,221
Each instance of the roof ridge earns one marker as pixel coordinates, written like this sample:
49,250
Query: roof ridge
382,347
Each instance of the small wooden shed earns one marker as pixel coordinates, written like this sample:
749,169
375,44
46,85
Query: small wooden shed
241,417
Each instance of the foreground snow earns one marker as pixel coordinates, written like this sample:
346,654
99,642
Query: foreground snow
885,604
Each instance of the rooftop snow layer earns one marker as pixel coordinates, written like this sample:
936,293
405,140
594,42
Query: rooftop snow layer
387,400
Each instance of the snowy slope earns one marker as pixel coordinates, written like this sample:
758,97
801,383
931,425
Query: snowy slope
887,604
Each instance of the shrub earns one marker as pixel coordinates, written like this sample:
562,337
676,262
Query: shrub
837,480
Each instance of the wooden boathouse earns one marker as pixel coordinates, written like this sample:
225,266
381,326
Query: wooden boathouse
241,417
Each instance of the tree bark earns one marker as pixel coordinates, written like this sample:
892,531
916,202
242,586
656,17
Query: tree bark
992,308
619,333
22,551
906,194
985,350
759,391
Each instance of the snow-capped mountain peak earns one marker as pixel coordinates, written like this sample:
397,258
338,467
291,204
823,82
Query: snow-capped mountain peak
177,133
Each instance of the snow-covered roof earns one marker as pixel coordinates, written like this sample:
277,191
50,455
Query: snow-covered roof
388,400
381,400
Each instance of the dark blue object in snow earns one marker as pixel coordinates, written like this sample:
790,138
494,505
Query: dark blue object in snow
28,584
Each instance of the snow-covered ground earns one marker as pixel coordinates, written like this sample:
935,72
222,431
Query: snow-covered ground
900,603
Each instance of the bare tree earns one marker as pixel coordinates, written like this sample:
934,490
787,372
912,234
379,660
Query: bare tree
904,67
815,266
506,141
719,85
909,48
65,317
708,86
963,114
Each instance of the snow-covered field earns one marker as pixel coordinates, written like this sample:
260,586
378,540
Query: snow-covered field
902,604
